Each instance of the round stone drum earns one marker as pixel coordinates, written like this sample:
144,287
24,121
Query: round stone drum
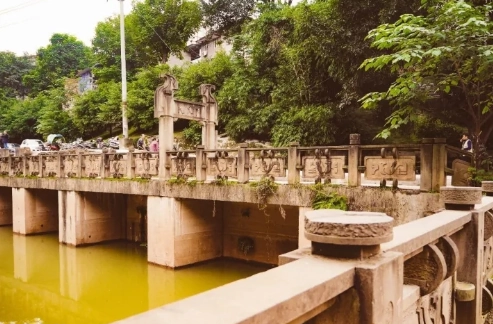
333,226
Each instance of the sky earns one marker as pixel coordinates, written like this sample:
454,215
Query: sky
26,25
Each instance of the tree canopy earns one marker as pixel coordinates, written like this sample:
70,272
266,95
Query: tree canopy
443,65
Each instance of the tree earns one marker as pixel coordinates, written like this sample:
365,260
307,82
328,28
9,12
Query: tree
163,27
444,67
53,118
226,16
63,57
12,69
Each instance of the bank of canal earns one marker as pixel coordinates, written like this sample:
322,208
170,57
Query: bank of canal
42,281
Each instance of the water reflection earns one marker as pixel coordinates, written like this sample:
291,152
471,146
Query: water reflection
44,282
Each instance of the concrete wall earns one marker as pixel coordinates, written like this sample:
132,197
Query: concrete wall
5,206
272,234
87,218
34,211
182,232
135,226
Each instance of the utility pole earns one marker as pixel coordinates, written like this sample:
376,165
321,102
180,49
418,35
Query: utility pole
124,74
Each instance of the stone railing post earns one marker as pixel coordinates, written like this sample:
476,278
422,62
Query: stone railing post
293,163
103,165
130,164
243,164
24,164
426,164
471,275
79,164
438,164
11,172
354,174
357,236
200,163
40,162
59,166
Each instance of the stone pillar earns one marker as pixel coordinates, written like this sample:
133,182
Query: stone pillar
243,164
34,211
471,240
5,206
87,218
181,233
200,164
303,242
358,235
426,164
354,174
439,162
293,163
165,145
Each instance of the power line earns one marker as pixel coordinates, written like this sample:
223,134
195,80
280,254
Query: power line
19,6
17,22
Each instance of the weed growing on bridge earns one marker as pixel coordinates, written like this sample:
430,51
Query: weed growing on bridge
327,200
264,189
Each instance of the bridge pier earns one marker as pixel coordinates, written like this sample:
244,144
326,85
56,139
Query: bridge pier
183,232
34,211
5,206
87,217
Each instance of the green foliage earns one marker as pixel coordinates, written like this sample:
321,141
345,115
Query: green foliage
327,200
12,70
193,134
53,118
162,27
63,57
476,176
443,63
264,189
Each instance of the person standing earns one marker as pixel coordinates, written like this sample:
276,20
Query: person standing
154,147
466,143
5,139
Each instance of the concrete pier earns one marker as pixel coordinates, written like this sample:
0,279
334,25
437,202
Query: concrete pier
34,211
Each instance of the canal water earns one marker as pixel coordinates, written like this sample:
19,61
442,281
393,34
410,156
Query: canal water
42,281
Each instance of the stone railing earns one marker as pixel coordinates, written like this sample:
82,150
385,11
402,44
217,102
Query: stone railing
293,164
359,269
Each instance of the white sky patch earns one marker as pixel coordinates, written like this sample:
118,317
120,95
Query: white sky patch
26,25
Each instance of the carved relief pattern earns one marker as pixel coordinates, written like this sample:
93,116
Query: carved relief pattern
314,168
70,165
222,166
32,165
487,186
461,196
146,165
267,164
91,165
436,308
117,165
4,166
188,110
50,165
488,259
17,166
182,166
386,168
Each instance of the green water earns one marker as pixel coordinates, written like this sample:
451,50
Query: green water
42,281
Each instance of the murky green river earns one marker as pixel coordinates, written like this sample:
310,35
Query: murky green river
44,282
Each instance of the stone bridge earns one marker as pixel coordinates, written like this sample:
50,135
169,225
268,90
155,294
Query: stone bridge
362,269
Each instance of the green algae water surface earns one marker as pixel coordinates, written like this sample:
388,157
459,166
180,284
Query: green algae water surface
44,282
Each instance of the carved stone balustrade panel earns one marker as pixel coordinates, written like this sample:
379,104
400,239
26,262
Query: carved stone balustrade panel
4,166
384,168
436,307
91,165
183,167
117,165
70,165
146,165
314,167
268,164
16,166
222,166
50,165
32,165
